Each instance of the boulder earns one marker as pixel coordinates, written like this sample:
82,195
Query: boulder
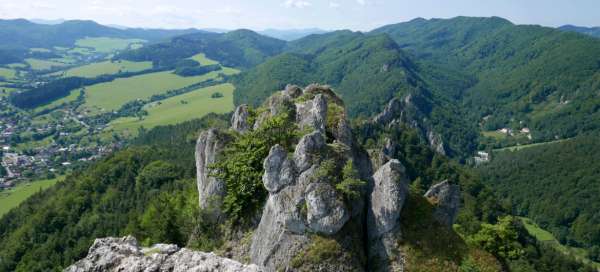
239,120
210,190
388,193
326,212
446,198
125,255
312,114
308,149
279,169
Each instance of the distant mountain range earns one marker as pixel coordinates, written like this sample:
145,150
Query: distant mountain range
592,31
291,34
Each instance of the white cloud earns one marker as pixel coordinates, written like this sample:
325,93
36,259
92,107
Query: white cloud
334,4
297,4
361,2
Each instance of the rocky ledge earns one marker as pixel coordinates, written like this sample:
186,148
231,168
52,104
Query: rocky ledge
125,255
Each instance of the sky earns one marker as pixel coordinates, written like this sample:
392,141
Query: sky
360,15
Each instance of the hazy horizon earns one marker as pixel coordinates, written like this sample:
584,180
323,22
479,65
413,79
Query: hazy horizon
360,15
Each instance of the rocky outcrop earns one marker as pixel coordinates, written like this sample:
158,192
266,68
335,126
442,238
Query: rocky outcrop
299,202
409,111
388,194
125,255
210,190
446,199
305,204
239,120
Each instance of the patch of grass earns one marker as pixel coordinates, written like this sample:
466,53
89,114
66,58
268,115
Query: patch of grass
321,250
111,95
17,65
520,147
107,68
494,134
179,108
203,60
42,50
106,45
546,237
38,64
7,73
13,197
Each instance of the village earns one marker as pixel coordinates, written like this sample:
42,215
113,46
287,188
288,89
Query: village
34,148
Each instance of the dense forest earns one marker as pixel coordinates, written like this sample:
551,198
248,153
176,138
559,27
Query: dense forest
240,49
513,75
554,184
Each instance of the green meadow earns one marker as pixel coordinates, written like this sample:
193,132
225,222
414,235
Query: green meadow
13,197
38,64
203,60
180,108
106,45
112,95
7,73
107,68
547,237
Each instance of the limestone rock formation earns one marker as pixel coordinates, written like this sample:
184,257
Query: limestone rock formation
239,120
408,112
210,189
388,194
446,198
125,255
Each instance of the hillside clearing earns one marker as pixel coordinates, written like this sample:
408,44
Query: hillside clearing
38,64
179,108
106,45
13,197
107,68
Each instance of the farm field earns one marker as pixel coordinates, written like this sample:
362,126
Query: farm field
106,45
13,197
520,147
38,64
112,95
7,73
107,67
180,108
203,60
547,237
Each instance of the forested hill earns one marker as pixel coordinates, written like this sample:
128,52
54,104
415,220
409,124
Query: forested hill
368,71
511,74
240,48
554,184
25,34
592,31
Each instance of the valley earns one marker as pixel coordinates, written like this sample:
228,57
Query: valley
203,140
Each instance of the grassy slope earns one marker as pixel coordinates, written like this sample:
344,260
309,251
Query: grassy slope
547,237
107,67
171,111
7,73
111,95
203,60
104,44
38,64
13,197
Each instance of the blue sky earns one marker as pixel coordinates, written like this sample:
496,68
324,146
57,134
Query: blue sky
326,14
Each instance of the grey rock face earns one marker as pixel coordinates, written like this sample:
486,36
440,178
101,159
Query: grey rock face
387,197
239,120
125,255
293,91
308,149
446,197
312,113
279,170
406,111
210,189
326,214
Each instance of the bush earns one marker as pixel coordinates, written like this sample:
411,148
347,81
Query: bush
241,165
216,95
